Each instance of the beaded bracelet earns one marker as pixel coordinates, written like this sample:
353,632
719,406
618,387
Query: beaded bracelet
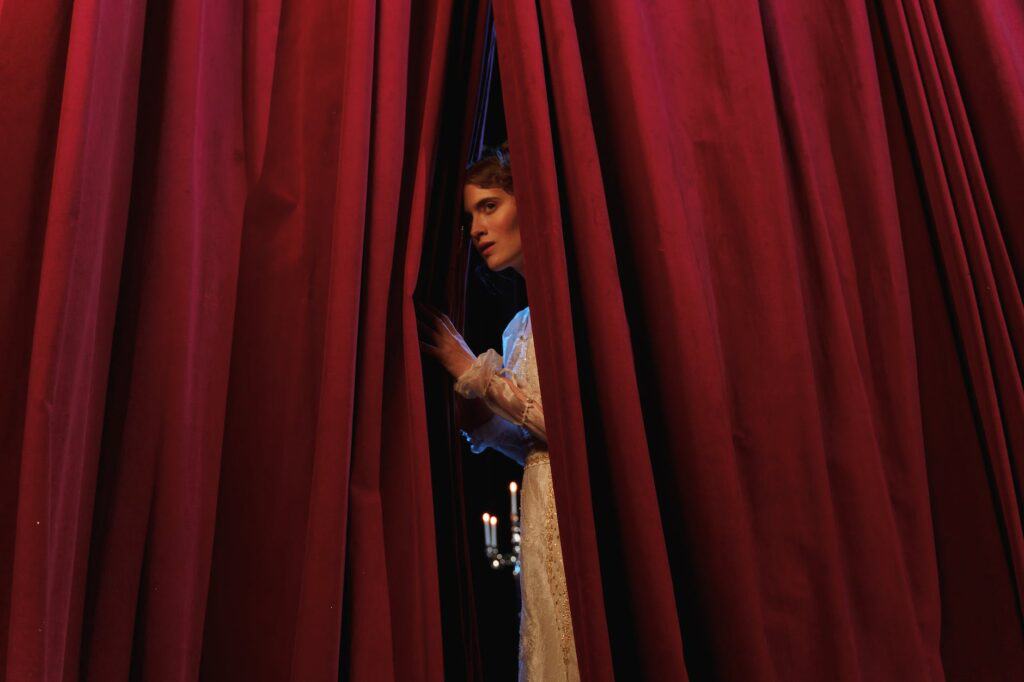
526,409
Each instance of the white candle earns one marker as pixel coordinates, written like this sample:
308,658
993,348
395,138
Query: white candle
494,531
513,488
487,530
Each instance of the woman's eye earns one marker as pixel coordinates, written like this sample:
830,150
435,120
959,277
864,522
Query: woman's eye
490,205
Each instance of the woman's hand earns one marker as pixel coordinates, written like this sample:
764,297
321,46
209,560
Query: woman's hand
440,339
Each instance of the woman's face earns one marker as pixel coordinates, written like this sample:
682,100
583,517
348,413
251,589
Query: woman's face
494,226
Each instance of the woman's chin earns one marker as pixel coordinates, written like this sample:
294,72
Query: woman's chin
497,265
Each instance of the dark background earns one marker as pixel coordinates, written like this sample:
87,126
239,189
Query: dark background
491,301
466,485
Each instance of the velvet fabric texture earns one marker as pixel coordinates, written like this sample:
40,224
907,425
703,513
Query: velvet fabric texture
774,251
787,240
215,459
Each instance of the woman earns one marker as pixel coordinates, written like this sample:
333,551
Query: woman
499,406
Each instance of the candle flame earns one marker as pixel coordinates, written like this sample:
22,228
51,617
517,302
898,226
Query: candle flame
494,520
513,487
487,517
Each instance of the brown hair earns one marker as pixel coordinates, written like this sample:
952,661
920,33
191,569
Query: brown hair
492,169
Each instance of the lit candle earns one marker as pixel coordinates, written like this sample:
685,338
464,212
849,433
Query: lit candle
513,488
487,529
494,531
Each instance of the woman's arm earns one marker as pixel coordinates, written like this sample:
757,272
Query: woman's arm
479,425
499,434
519,422
487,379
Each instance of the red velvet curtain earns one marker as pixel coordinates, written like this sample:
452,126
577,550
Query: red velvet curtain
786,426
215,455
775,251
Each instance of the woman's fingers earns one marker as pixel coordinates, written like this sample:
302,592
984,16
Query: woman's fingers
423,314
437,315
426,331
431,327
440,330
426,309
446,321
449,324
430,308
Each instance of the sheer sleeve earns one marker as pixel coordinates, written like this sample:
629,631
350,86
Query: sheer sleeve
507,397
498,433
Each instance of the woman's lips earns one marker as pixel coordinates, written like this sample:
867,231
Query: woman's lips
487,249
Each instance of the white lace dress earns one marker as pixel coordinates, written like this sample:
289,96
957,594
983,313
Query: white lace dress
510,387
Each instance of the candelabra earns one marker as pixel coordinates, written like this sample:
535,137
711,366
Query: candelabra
498,559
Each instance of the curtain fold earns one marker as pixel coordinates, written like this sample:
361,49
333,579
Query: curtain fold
785,433
214,436
774,250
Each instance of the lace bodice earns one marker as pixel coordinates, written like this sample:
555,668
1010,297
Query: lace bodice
509,385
